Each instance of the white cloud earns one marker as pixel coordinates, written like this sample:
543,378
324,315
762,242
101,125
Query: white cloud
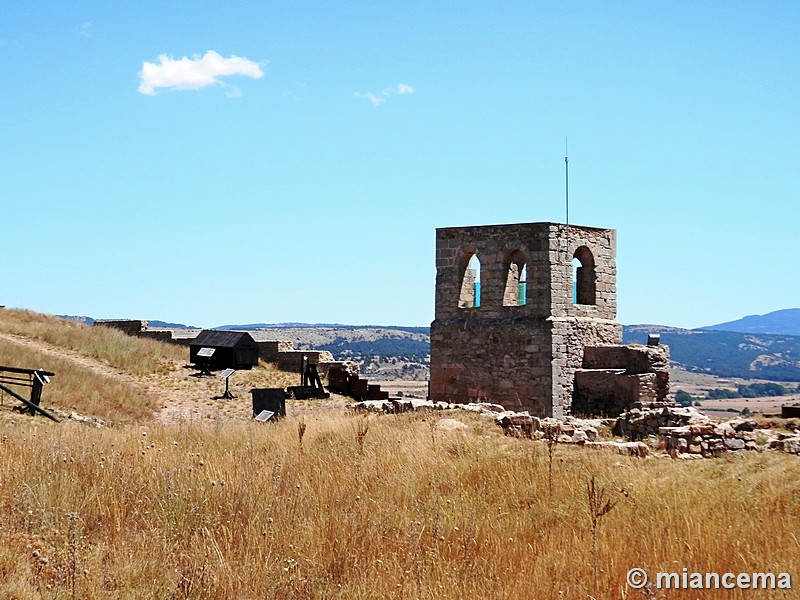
194,73
401,89
376,100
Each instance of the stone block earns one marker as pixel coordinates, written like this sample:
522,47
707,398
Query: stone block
633,358
268,350
734,444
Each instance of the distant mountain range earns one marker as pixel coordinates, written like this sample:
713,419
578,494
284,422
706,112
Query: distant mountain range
255,326
755,347
779,322
726,353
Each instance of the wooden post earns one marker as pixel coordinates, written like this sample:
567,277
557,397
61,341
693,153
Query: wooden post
36,390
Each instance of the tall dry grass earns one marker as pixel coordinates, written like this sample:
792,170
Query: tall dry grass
77,388
392,507
134,356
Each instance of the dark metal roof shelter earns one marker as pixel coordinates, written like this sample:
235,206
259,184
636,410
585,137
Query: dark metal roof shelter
232,349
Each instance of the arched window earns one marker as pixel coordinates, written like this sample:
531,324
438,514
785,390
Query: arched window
516,280
584,279
470,296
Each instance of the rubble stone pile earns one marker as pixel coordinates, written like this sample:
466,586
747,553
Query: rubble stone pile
711,439
343,378
688,433
682,432
567,430
397,405
639,423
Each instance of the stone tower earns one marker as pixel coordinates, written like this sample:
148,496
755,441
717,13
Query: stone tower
512,331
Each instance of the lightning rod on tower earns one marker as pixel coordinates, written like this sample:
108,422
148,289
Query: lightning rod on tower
566,168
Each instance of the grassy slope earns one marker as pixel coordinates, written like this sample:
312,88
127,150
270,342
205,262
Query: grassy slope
134,356
76,386
79,389
135,378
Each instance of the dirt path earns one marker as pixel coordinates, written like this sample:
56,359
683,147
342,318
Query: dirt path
77,358
179,397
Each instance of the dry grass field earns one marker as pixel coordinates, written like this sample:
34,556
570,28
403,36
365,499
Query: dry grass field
328,504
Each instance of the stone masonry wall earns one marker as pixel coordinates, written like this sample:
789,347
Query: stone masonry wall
292,360
570,336
615,378
521,356
269,351
128,326
160,336
478,360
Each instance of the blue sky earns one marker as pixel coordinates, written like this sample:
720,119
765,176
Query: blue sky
305,182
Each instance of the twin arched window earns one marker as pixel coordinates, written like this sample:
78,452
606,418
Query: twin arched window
584,280
516,282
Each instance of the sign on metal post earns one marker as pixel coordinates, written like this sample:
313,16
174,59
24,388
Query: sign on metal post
226,374
205,364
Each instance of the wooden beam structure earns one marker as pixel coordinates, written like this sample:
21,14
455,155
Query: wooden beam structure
35,379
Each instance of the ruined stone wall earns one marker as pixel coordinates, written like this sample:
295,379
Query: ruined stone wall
293,359
269,350
128,326
521,355
158,335
615,378
140,328
634,358
570,336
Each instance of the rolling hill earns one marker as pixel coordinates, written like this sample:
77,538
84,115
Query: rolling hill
726,353
779,322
